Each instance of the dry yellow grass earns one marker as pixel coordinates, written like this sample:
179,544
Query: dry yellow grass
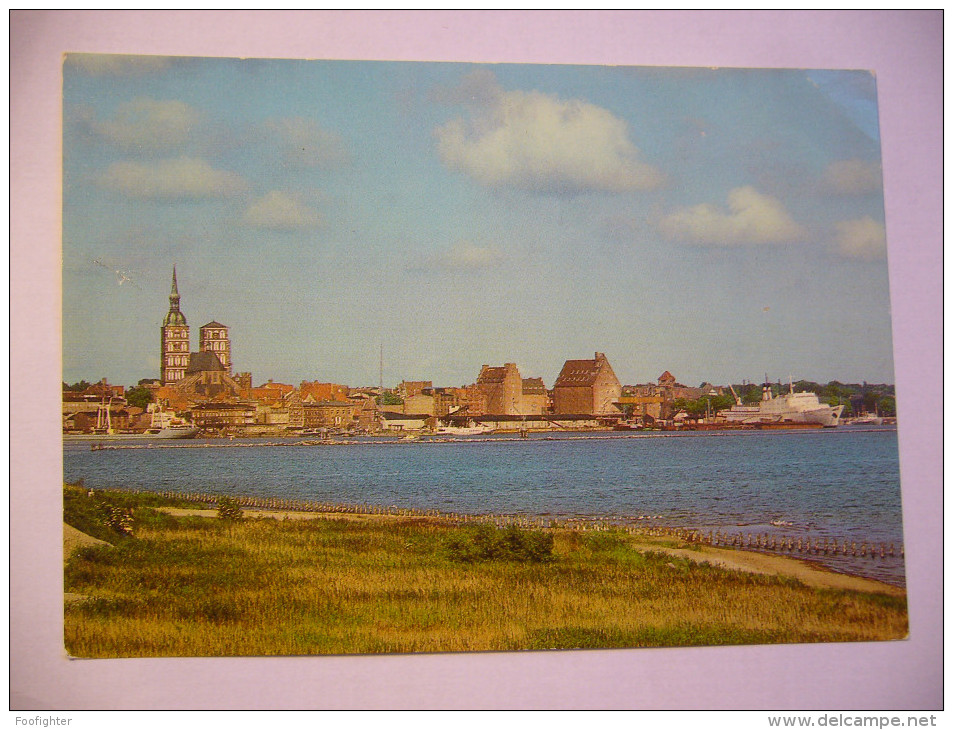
202,587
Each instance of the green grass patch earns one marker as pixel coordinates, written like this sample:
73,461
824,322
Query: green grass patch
486,542
101,513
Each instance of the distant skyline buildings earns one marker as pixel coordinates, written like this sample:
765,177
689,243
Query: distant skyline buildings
719,224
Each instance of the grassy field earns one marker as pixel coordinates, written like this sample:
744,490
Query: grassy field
201,586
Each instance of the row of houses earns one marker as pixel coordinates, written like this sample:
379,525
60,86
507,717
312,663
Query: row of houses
585,393
221,406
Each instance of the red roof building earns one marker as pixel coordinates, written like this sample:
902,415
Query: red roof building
587,387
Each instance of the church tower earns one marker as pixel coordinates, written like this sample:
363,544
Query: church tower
213,338
175,340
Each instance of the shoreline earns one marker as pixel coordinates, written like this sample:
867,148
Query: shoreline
808,572
879,562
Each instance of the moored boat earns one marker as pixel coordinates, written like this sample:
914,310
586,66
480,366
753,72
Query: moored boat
868,419
169,426
791,407
178,431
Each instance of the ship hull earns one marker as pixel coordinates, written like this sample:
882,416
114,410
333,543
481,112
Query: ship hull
178,432
797,408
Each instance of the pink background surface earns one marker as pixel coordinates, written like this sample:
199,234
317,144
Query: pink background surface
903,48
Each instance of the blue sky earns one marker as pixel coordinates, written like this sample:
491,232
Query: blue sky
722,224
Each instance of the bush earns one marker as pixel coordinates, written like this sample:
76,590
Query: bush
228,509
97,515
95,512
489,543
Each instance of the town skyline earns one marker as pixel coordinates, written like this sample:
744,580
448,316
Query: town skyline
722,225
227,363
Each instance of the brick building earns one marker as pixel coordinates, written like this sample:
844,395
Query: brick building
271,393
174,340
213,338
420,403
206,379
535,397
364,412
450,400
328,414
503,389
223,416
587,387
410,388
656,400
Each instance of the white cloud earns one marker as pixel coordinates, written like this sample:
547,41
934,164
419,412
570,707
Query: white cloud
468,256
148,123
281,211
103,64
862,238
541,142
304,142
179,179
853,177
752,218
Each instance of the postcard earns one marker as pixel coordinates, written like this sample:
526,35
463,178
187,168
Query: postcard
366,357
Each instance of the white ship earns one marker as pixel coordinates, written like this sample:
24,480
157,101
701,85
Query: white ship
169,426
178,431
786,408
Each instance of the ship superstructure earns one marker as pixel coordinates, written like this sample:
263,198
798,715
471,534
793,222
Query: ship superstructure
789,407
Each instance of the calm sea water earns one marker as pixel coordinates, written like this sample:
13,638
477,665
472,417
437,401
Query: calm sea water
840,483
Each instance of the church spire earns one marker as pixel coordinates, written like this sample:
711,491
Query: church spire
174,317
174,296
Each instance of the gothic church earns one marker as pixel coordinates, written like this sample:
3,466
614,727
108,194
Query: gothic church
206,373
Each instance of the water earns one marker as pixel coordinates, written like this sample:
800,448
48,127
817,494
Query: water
841,483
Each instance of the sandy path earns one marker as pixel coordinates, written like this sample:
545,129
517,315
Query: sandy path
807,573
73,540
